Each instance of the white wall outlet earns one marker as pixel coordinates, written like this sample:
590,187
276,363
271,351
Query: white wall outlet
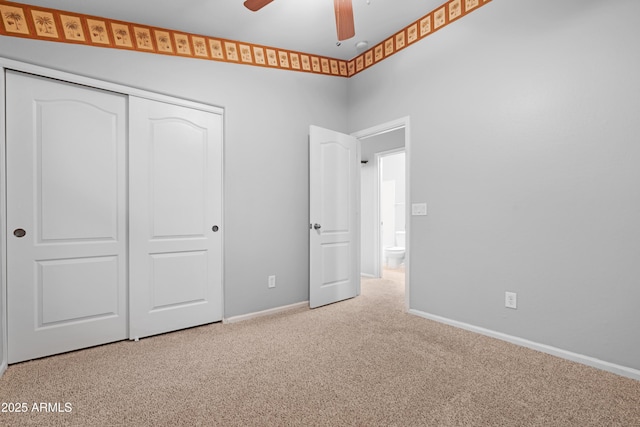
418,208
272,281
511,300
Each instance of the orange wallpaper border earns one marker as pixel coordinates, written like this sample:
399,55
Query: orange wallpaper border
20,20
430,23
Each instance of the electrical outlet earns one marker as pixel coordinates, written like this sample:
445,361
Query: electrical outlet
511,300
272,281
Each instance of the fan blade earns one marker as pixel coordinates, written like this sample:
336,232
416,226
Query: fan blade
256,5
344,19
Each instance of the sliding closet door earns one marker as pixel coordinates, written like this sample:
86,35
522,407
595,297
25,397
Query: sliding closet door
175,217
66,216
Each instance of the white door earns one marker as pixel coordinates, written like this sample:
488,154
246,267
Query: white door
175,217
334,180
66,216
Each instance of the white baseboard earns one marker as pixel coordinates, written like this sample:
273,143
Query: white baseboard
373,276
3,368
554,351
268,312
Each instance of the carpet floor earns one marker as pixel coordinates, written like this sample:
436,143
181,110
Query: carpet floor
360,362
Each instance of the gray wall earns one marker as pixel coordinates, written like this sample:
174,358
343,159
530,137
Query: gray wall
525,144
267,117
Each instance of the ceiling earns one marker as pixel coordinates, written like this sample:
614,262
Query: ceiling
299,25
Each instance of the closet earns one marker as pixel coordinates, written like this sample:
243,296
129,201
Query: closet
114,210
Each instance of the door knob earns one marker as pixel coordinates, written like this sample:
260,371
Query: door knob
317,226
19,232
215,228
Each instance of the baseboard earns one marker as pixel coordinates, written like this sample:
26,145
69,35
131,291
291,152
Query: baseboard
554,351
268,312
373,276
3,368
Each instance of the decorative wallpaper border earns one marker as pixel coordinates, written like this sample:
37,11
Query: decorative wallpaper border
434,21
20,20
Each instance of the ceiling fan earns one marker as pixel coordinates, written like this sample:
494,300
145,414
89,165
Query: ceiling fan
344,15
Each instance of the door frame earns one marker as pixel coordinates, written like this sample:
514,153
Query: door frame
401,123
95,83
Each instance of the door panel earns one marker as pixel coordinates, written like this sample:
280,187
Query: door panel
334,178
75,289
179,162
335,259
335,187
175,202
187,268
72,208
66,148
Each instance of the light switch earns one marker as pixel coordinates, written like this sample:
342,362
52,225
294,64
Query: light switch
418,208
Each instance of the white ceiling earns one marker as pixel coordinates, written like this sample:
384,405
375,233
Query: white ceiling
300,25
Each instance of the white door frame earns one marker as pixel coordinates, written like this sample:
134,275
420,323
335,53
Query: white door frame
87,81
401,123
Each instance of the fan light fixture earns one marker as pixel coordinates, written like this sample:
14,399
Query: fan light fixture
343,9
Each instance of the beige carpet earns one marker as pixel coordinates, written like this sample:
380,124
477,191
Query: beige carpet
362,362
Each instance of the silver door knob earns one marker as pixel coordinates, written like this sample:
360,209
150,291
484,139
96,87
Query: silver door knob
317,226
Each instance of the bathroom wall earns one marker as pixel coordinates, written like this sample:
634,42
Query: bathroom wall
393,170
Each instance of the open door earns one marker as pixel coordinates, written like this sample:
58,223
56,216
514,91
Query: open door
334,216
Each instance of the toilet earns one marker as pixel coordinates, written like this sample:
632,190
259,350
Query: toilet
395,254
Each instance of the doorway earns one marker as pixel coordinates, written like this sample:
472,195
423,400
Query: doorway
391,207
381,221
